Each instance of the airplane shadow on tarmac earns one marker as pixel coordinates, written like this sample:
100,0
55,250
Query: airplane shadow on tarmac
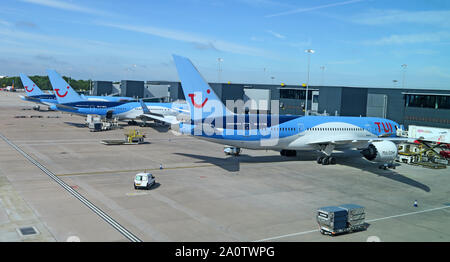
348,158
79,125
157,127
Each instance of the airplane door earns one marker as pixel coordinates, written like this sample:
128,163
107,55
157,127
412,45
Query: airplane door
315,101
247,129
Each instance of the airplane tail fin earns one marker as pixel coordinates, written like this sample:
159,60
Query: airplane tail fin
63,91
202,100
30,87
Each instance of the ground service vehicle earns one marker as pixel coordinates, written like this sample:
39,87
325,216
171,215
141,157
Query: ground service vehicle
144,180
335,220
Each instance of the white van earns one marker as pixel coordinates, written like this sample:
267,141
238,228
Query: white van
144,180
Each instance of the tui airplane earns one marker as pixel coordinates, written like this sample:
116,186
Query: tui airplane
213,121
35,94
71,102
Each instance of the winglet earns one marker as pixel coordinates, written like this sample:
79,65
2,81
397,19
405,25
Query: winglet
144,107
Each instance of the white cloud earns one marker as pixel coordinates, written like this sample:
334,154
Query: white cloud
5,23
66,6
302,10
387,17
435,71
277,35
198,40
256,39
345,62
301,44
36,40
411,39
259,3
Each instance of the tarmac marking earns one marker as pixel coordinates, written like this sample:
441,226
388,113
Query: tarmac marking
143,225
149,169
372,220
130,236
408,214
131,170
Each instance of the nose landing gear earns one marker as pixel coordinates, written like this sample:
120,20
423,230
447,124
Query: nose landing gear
386,166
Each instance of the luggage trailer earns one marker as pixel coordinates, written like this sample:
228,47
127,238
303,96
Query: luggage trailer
334,220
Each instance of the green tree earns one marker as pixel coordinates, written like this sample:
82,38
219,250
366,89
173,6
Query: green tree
44,83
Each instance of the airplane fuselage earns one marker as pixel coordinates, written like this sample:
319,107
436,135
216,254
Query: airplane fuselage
120,110
296,133
50,99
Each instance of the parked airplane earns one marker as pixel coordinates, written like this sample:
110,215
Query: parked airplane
213,121
71,102
35,94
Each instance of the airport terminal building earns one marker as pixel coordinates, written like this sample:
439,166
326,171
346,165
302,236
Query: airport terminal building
422,107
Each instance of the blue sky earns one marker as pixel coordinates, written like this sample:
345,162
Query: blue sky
358,42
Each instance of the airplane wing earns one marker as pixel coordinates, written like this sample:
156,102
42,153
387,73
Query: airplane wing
182,110
166,119
61,106
152,116
30,98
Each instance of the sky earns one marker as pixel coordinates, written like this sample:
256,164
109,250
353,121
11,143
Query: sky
356,42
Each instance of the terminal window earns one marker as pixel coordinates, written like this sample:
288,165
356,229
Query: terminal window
295,94
428,101
443,102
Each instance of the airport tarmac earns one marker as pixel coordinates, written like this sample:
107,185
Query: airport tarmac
201,194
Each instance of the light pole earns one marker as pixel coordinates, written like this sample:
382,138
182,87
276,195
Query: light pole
309,51
272,77
219,68
404,72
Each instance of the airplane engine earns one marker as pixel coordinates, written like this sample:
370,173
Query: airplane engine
383,151
109,114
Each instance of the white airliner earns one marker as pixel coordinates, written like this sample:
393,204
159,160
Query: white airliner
212,121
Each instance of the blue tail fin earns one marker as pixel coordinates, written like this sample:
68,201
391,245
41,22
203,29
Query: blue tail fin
30,87
63,91
202,99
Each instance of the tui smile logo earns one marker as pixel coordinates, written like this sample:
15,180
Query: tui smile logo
58,94
197,105
29,90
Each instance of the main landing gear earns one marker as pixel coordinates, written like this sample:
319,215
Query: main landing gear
326,160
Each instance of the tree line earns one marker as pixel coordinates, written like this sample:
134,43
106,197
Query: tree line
44,83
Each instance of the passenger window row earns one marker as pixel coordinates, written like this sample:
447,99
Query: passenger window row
334,129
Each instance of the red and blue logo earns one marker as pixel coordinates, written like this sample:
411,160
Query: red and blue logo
28,90
197,105
58,94
387,127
